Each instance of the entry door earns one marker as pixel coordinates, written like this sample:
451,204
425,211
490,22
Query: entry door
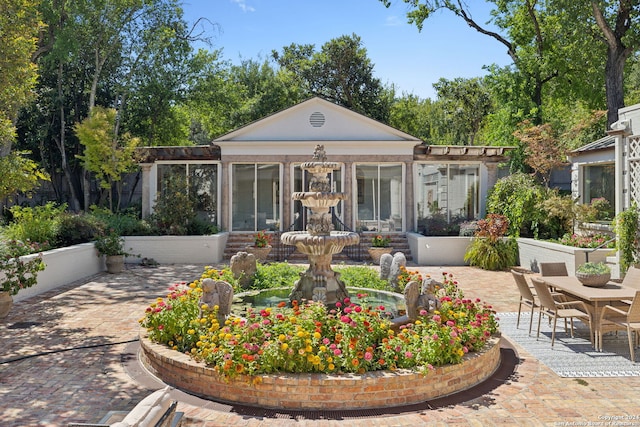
255,197
301,183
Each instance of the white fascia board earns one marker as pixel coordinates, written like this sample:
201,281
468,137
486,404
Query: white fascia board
332,148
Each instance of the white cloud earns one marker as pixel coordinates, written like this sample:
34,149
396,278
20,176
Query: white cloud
244,6
393,21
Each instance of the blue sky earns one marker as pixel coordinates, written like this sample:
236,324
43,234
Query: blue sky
412,60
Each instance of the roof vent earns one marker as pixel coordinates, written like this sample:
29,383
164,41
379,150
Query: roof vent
316,119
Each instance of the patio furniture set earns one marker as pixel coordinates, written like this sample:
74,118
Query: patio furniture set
610,308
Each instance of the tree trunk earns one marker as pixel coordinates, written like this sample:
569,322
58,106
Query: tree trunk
60,141
614,82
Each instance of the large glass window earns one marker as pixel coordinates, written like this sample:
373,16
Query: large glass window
379,195
198,180
447,194
599,181
255,197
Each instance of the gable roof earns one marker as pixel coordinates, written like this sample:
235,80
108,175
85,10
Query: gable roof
608,141
317,121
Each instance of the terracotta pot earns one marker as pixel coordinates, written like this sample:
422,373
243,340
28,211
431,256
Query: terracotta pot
115,264
261,254
376,253
6,302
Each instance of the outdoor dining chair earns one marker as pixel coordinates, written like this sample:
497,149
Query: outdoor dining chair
632,278
617,318
526,297
559,309
553,269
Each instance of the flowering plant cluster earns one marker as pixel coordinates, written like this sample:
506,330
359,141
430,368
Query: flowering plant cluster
380,241
405,276
586,241
309,337
262,239
19,273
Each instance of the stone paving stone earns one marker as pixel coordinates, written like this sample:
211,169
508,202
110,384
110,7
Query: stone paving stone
67,365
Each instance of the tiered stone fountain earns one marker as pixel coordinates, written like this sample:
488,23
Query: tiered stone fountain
320,242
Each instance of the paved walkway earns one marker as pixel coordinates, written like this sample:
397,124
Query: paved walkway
66,356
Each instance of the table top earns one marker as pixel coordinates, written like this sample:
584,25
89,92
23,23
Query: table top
609,292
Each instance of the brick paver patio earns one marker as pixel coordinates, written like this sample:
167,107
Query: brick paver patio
66,357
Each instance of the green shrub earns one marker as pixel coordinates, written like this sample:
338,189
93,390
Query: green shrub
126,223
78,228
518,197
39,224
489,250
276,275
359,276
626,227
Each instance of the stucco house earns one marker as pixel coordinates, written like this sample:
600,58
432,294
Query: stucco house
244,179
610,166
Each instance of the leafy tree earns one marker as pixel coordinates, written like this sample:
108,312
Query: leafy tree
544,153
340,72
19,23
466,103
412,115
106,154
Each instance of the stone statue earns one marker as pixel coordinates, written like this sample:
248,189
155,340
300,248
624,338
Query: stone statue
385,266
428,299
243,267
411,298
399,260
217,292
420,297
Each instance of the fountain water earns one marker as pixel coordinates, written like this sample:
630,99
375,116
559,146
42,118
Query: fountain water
320,242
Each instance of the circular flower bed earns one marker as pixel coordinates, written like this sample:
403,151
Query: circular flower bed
310,338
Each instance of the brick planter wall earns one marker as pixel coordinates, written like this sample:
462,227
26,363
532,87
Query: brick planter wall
378,389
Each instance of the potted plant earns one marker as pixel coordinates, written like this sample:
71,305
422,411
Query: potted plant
17,273
379,246
261,245
112,246
594,274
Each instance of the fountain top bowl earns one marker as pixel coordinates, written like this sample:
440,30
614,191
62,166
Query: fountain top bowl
320,167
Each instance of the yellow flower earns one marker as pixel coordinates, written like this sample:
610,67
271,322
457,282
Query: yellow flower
284,346
317,335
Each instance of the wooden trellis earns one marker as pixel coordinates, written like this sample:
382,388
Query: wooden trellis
632,184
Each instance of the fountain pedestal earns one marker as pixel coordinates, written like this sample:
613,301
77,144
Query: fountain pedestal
319,242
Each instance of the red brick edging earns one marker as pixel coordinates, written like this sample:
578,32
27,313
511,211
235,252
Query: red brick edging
379,389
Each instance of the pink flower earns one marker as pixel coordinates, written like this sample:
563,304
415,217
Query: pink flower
337,352
358,309
408,354
368,356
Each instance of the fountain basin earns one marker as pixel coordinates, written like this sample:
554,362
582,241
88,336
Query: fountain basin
320,244
319,199
372,390
323,167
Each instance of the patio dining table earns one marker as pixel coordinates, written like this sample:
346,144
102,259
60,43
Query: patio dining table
595,297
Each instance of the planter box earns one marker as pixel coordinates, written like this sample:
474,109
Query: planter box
64,266
533,252
438,250
177,249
